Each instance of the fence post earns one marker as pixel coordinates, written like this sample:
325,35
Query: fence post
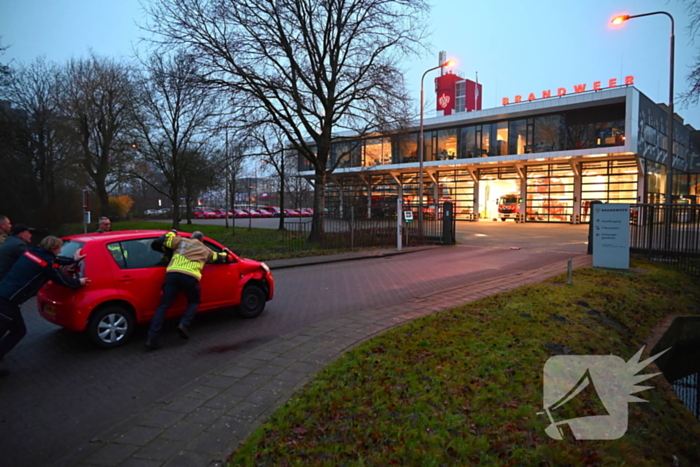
399,216
352,226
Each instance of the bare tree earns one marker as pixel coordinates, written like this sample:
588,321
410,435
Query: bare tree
95,96
270,142
39,140
692,96
309,67
173,120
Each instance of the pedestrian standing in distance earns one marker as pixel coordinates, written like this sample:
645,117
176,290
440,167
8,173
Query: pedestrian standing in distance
182,275
31,271
105,225
5,227
15,245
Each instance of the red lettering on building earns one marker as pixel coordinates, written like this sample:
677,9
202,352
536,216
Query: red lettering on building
578,88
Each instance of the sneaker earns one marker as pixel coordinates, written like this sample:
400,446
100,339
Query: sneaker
153,344
183,331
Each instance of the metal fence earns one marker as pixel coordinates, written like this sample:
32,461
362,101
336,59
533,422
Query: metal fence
352,231
688,390
669,234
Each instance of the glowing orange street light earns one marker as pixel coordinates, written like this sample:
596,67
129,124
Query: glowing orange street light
620,19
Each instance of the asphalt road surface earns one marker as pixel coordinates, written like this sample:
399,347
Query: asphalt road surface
63,392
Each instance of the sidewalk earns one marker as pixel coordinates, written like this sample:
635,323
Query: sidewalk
205,420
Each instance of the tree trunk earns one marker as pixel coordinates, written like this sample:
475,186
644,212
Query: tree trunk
317,227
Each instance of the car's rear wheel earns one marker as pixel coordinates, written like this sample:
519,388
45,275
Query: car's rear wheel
252,302
110,327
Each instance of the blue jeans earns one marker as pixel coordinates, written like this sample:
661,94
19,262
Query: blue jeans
175,283
12,323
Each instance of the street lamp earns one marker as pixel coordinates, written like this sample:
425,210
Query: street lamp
669,129
421,145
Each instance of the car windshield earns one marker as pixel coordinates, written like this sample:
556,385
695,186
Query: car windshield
69,248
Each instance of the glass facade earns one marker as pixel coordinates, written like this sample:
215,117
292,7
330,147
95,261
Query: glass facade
551,187
609,182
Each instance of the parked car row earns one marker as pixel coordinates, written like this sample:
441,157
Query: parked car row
260,212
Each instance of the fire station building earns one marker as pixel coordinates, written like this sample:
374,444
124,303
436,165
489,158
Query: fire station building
546,154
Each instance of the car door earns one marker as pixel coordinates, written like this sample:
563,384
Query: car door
140,276
219,281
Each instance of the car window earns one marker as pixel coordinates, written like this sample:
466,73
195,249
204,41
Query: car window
115,249
69,248
138,254
212,246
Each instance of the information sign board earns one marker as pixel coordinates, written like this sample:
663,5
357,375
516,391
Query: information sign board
611,235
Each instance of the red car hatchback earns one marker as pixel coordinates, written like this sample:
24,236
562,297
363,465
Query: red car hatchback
126,277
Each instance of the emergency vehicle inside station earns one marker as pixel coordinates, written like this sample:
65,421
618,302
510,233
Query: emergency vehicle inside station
540,157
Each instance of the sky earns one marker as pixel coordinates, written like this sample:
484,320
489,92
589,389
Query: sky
516,46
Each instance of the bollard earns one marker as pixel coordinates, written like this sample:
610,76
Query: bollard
569,272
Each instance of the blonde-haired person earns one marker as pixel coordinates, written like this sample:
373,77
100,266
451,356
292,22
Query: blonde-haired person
32,270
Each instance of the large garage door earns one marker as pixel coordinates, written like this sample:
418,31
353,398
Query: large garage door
550,193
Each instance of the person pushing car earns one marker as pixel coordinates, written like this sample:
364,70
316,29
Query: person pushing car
32,270
182,275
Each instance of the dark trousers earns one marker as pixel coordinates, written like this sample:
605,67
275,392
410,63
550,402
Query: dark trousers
12,327
175,283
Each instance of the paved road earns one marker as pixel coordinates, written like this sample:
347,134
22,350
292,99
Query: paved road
63,392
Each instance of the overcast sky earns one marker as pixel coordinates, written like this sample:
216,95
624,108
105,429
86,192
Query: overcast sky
517,47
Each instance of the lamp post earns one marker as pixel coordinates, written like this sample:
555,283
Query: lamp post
669,129
421,145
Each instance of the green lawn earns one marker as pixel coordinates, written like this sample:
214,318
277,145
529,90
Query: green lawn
258,244
463,387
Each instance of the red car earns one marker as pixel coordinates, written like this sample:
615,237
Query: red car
204,214
126,276
292,213
240,213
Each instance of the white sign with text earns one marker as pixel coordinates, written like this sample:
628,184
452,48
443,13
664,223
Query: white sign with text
611,236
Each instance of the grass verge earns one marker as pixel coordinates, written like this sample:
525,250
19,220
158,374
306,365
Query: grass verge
259,244
463,386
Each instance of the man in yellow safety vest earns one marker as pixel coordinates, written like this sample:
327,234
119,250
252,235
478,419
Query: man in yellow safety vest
182,275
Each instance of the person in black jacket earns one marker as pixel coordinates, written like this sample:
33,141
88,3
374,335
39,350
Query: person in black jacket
31,271
16,244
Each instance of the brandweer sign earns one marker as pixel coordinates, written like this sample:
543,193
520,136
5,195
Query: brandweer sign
578,88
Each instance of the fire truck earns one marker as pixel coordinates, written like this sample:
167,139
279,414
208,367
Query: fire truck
509,206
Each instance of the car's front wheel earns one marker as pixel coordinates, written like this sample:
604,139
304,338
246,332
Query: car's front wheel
110,327
252,302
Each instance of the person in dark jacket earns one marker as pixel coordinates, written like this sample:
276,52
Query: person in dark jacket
31,271
15,245
105,225
5,226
